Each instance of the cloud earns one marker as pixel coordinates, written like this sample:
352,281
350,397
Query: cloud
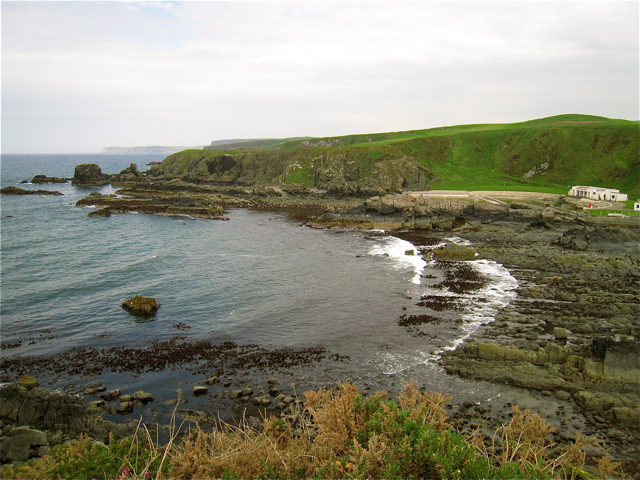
188,72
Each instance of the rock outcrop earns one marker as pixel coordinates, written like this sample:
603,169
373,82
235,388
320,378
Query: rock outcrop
21,191
89,175
143,306
129,175
40,179
51,419
340,171
165,203
602,383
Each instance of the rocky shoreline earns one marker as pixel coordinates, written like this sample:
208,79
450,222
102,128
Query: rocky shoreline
572,332
33,419
570,336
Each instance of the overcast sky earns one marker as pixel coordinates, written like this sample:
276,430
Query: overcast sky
79,76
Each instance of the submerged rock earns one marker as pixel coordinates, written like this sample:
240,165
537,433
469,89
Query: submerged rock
95,388
235,394
143,396
112,395
138,305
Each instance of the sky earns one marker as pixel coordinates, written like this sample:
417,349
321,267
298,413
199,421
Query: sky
79,76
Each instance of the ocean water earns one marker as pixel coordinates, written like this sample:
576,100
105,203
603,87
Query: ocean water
260,278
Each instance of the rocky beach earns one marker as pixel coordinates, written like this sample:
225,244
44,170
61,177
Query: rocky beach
567,340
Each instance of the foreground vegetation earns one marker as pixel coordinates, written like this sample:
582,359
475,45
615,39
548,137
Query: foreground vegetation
339,434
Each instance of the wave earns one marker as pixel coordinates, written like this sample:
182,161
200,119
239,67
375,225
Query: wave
396,248
486,302
138,262
479,307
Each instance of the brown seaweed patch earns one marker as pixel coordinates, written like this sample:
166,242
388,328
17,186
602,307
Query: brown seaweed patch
418,238
198,356
440,303
463,278
412,320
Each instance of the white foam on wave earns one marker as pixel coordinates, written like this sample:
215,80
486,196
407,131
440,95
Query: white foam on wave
395,249
459,241
484,304
142,260
480,308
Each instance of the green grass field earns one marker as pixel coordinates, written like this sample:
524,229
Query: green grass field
604,212
579,149
543,155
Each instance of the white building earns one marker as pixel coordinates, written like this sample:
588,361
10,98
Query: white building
636,206
597,193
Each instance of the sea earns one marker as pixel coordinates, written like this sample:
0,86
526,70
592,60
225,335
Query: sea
261,278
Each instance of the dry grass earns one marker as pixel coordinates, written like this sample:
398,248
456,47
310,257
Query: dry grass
338,434
428,407
524,441
335,416
324,439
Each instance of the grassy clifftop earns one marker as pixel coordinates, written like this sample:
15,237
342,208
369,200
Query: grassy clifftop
547,154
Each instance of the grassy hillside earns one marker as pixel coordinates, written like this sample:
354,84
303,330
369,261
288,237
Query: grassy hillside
548,154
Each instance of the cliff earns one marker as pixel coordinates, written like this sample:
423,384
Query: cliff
548,154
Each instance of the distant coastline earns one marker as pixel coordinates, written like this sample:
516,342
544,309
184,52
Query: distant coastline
145,149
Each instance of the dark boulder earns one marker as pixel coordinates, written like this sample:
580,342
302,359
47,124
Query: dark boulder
138,305
88,175
101,212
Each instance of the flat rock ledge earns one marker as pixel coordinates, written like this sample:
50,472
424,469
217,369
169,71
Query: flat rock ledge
39,179
22,191
604,382
33,420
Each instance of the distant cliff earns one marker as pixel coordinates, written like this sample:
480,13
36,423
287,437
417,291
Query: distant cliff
147,149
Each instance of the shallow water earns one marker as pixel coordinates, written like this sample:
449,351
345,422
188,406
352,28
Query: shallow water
259,278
